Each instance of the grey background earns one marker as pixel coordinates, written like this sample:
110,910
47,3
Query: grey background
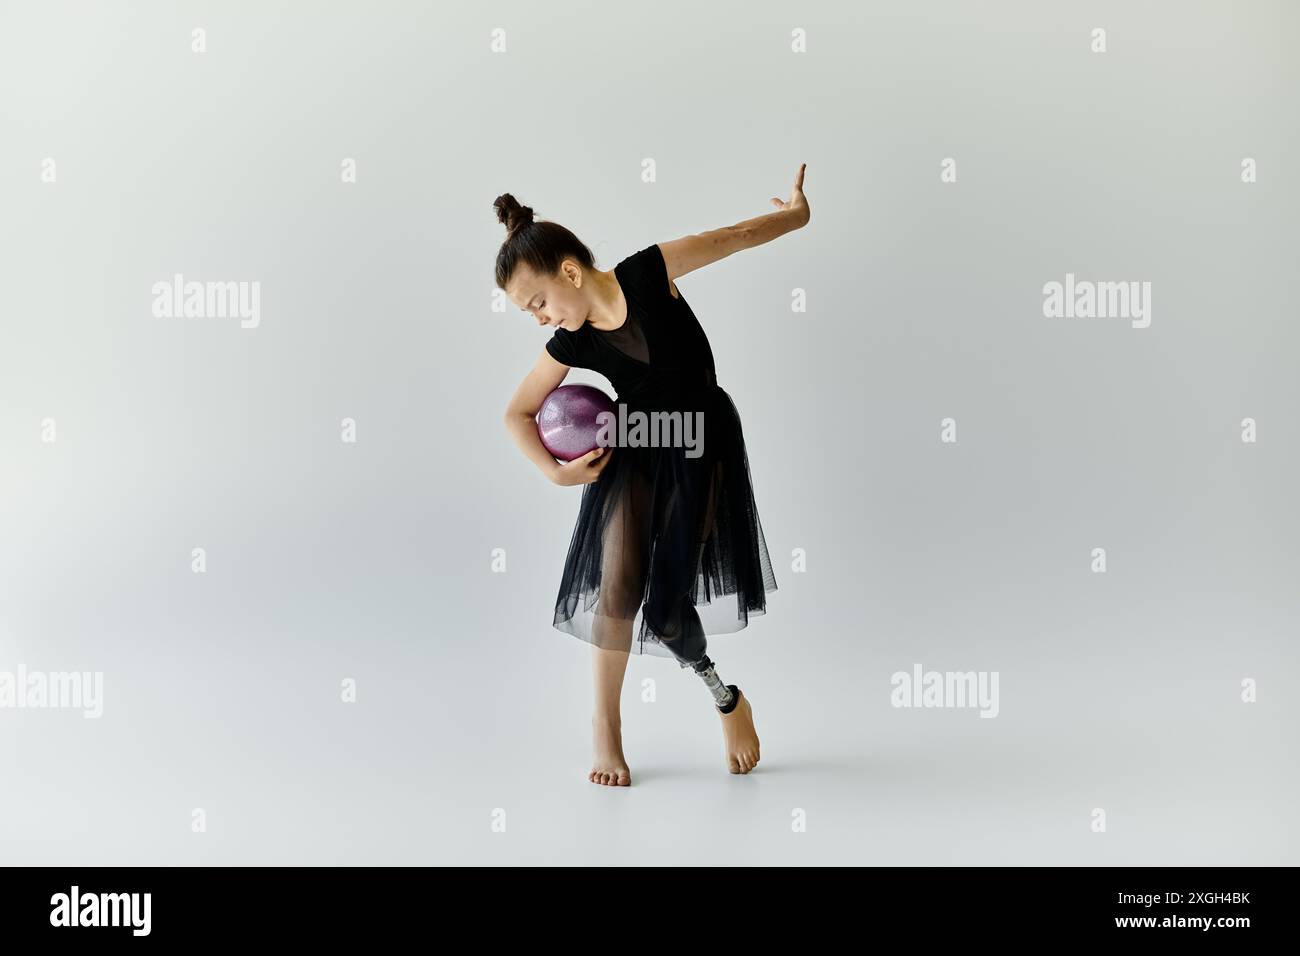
373,561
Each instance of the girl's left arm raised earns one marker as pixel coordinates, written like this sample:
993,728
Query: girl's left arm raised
694,252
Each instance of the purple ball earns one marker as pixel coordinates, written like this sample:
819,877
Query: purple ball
567,421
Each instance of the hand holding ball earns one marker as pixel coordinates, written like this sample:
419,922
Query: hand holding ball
568,421
568,427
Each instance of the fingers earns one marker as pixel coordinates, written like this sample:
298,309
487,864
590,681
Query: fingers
798,179
777,202
595,461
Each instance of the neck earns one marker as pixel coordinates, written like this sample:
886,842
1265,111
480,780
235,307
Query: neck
608,307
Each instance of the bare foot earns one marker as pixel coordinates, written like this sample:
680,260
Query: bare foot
609,766
739,736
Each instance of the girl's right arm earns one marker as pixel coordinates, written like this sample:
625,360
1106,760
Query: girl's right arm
521,422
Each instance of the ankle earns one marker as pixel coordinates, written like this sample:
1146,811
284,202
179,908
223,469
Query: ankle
733,704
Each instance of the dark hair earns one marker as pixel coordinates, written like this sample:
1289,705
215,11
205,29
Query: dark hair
541,245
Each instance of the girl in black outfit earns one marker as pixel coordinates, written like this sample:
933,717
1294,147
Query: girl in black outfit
667,528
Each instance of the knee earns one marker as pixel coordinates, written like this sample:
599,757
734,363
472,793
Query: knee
619,598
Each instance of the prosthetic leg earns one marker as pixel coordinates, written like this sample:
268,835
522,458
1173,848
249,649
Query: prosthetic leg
688,643
725,696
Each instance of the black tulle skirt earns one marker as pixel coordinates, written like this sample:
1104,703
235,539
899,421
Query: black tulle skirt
668,548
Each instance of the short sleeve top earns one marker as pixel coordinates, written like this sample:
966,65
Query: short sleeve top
660,338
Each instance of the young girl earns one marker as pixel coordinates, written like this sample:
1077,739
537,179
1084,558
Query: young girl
663,531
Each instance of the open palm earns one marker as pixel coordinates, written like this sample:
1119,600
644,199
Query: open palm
798,202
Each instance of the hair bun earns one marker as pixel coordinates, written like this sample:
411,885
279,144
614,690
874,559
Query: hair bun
512,215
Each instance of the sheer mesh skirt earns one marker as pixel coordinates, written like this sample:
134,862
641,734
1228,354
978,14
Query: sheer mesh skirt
668,548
